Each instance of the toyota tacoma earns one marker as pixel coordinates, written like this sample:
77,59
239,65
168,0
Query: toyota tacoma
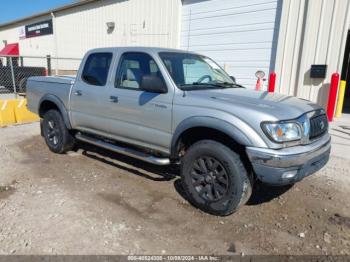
166,106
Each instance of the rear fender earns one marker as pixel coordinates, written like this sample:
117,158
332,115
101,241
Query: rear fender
55,100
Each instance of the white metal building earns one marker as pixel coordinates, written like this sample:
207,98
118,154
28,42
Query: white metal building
81,26
312,32
285,36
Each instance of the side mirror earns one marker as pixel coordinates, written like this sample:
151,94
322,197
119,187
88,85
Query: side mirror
233,79
153,84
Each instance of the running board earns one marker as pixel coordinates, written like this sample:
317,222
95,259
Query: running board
123,150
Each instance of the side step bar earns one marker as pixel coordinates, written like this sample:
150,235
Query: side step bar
123,150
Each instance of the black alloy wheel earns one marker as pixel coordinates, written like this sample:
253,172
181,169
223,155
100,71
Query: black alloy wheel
214,178
57,137
209,178
53,132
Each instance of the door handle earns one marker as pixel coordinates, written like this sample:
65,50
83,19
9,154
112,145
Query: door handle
113,99
78,93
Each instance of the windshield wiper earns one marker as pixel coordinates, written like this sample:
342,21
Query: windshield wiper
220,85
198,86
234,85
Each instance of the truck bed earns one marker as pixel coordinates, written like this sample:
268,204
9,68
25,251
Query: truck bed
38,87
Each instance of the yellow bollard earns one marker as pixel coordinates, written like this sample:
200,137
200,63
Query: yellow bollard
340,102
23,115
7,112
14,111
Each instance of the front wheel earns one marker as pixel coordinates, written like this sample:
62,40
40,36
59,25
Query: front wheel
214,178
56,134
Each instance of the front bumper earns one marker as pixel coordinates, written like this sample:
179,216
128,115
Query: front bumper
289,165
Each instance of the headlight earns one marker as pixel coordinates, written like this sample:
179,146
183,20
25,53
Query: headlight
282,132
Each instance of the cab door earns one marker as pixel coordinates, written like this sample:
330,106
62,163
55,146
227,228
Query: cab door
138,115
88,98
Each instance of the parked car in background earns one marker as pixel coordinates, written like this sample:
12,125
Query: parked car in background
166,106
21,74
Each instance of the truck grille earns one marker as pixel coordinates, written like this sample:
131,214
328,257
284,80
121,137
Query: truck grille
318,126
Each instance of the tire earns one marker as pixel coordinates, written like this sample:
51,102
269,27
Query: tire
56,134
214,178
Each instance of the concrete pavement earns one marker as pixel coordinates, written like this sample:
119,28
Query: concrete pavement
340,131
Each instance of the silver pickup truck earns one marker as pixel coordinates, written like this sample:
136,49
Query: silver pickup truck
166,106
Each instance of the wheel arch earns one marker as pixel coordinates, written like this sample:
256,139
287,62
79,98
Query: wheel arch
48,102
204,126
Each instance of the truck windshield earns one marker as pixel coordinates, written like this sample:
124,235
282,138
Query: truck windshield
195,72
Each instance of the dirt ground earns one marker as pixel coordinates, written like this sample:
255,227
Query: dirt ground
96,202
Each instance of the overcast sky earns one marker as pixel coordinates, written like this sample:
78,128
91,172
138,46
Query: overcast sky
15,9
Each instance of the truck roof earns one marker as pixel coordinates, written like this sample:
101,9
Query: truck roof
140,49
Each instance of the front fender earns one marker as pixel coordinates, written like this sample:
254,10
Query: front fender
209,122
54,99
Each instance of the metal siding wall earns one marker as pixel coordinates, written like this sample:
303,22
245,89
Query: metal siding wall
146,23
237,34
36,46
312,32
9,34
141,23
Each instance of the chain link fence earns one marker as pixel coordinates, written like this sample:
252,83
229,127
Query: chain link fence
15,70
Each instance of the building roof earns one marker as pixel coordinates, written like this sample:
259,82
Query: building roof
48,12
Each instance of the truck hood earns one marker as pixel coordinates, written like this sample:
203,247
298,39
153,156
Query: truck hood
280,107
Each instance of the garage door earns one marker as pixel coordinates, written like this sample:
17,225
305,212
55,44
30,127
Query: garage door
239,34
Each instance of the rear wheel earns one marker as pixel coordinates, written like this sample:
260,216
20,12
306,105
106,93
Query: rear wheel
56,134
215,178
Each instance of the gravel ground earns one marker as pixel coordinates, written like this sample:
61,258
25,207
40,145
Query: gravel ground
96,202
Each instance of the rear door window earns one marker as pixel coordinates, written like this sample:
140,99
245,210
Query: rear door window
96,69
